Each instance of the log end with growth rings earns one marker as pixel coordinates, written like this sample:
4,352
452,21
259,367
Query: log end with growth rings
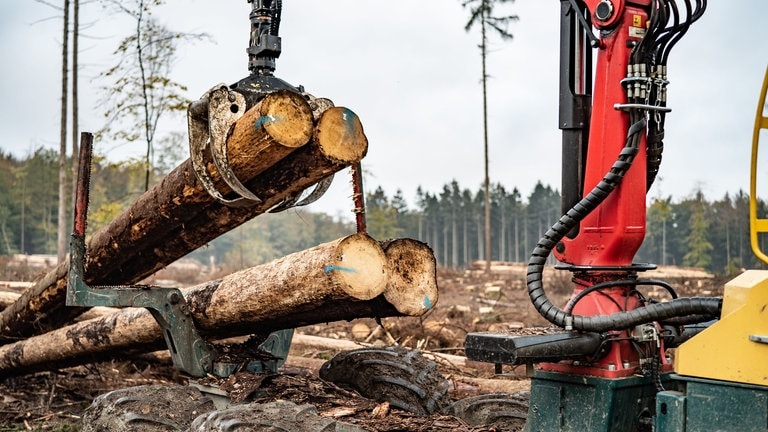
412,287
340,135
286,117
360,267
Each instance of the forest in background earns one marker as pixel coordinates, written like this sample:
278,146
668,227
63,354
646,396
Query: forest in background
693,231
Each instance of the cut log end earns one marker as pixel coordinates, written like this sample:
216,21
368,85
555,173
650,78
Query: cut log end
412,287
286,117
340,135
360,267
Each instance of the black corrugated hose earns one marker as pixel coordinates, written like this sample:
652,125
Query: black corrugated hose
675,309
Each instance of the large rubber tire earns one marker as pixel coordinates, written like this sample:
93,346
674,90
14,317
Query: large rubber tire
402,377
495,409
280,416
151,408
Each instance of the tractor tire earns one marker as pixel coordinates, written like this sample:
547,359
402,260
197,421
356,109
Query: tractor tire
280,416
494,409
397,375
151,408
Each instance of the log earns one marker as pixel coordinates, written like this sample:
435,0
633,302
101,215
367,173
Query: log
253,146
175,217
330,151
340,280
7,298
412,285
354,267
15,286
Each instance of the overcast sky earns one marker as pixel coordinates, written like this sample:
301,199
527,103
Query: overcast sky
412,74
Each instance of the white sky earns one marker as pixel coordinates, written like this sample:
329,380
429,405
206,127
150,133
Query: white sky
412,74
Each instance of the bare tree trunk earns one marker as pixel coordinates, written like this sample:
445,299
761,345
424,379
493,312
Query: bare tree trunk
465,260
340,280
503,233
177,216
480,238
486,181
446,255
454,240
22,222
517,238
75,120
61,243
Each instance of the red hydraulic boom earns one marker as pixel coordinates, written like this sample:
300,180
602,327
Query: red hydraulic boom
613,129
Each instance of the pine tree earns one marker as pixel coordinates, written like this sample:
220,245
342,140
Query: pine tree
482,13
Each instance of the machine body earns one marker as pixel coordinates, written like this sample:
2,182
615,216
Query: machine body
608,367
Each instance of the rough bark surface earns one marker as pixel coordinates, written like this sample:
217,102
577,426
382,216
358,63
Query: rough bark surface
178,216
341,280
302,283
253,146
327,154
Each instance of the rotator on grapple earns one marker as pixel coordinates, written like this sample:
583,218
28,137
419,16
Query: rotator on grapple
611,355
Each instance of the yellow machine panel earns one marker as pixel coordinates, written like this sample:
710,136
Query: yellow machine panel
736,347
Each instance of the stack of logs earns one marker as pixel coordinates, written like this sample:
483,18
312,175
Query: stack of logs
349,278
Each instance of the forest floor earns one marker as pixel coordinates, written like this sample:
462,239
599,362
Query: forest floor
469,301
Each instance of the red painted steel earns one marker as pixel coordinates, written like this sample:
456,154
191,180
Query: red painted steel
610,235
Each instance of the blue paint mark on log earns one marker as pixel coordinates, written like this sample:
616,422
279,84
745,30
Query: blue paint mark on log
427,302
264,120
330,268
349,118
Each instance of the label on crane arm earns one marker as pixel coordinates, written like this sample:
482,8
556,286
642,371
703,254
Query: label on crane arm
637,30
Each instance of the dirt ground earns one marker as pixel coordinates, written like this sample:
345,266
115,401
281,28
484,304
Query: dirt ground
469,302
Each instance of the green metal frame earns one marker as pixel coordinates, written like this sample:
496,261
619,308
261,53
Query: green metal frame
712,406
580,403
189,351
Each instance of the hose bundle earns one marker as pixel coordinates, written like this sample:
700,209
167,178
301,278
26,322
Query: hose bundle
667,26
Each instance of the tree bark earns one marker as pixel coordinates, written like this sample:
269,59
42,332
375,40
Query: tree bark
252,147
61,237
330,151
75,93
411,287
177,215
340,280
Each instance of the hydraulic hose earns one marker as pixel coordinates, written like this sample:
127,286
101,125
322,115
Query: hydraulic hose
621,320
274,29
652,50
